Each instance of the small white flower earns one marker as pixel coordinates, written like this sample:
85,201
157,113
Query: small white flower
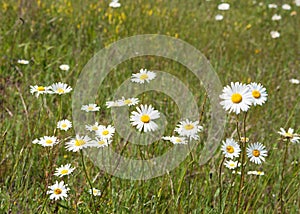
36,141
175,140
98,142
143,76
189,129
230,164
130,101
92,128
274,6
114,4
60,88
64,125
275,34
294,81
58,191
23,61
90,107
219,17
48,141
294,138
256,152
40,90
223,6
255,173
297,2
64,67
95,192
105,132
78,143
276,17
64,170
143,118
258,92
230,148
286,7
236,98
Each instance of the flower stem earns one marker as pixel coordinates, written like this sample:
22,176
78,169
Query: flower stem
282,177
243,141
220,184
88,179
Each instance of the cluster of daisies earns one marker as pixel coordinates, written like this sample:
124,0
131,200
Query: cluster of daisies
238,97
56,88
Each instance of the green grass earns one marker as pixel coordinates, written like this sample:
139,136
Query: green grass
71,32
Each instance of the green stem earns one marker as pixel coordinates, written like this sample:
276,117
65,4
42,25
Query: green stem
282,177
242,163
88,179
220,184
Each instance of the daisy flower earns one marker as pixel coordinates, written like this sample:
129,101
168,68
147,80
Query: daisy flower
230,148
230,164
256,152
64,67
58,190
105,132
224,6
276,17
23,61
175,140
114,4
47,141
286,7
272,6
39,90
219,17
236,98
294,81
297,2
36,141
143,118
94,127
294,138
255,173
78,143
64,170
189,129
130,101
275,34
95,192
110,104
98,142
143,76
60,88
64,125
259,93
90,107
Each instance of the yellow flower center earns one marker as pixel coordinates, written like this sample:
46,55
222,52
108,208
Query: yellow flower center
289,135
101,142
188,126
178,140
79,142
232,164
57,191
64,171
41,88
95,128
105,132
259,172
144,76
236,98
230,149
90,108
256,94
64,125
60,90
49,141
255,153
145,118
127,102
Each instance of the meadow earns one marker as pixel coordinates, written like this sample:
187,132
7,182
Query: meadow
239,46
